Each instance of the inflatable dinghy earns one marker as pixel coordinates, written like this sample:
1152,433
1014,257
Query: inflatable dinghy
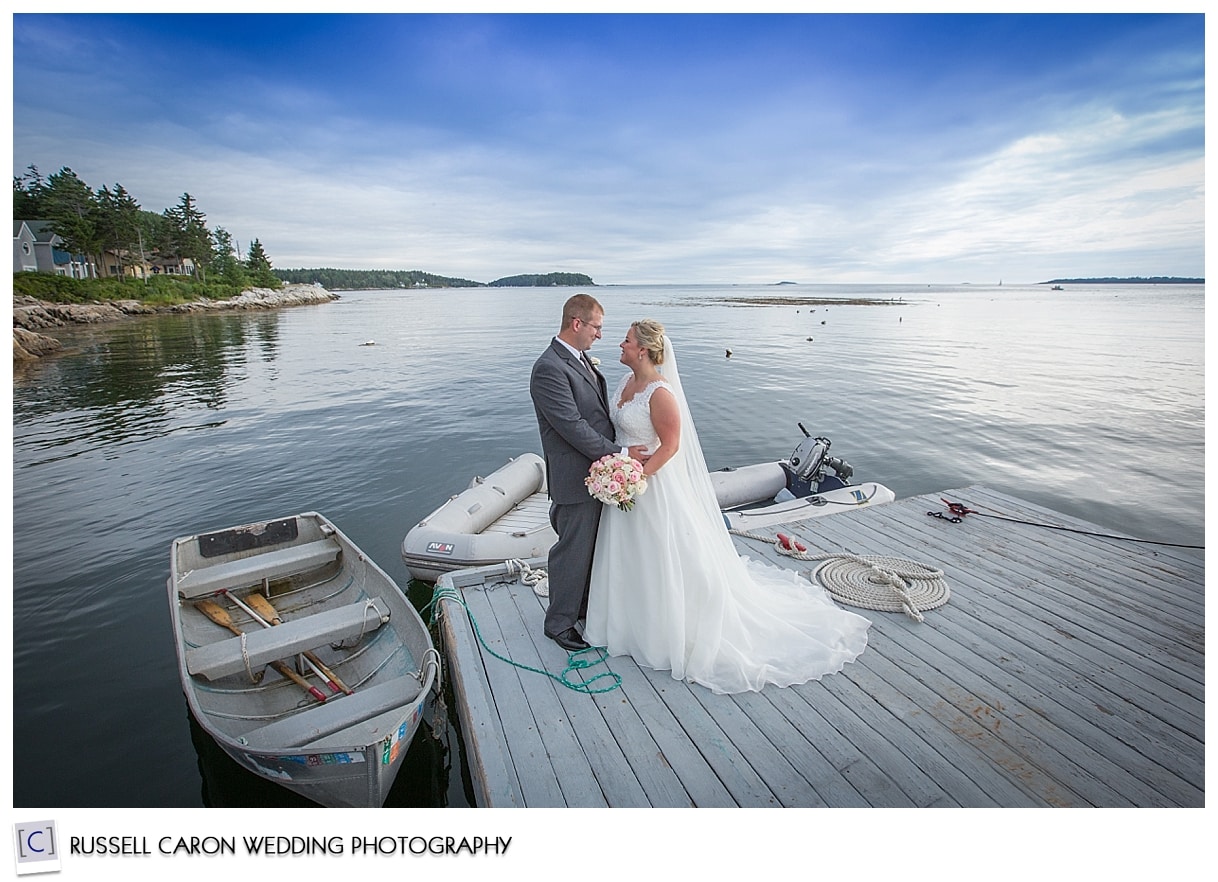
506,515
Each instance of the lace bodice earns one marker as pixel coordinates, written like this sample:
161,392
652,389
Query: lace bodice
633,419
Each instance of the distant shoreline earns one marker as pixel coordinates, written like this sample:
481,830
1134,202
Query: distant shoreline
31,316
1133,280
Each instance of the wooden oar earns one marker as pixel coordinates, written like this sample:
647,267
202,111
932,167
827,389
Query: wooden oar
266,610
220,616
253,614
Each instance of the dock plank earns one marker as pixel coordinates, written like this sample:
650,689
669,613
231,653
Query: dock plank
765,754
907,728
551,762
722,755
492,771
1040,609
546,759
1111,596
843,745
674,773
1017,594
614,777
1067,668
1083,702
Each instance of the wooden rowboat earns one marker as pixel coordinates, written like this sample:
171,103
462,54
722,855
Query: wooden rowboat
300,656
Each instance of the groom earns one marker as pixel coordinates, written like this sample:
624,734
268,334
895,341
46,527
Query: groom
572,408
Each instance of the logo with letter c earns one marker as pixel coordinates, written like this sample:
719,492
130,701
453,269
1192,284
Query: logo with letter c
37,848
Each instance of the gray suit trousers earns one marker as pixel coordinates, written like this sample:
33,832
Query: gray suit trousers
570,563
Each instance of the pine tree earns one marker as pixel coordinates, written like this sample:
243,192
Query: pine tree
28,195
71,208
224,260
188,233
118,223
259,266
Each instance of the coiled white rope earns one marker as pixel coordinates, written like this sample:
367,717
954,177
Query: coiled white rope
538,580
884,584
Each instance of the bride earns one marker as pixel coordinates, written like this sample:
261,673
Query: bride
668,588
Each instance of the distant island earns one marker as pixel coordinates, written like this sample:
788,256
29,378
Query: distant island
1132,280
544,281
364,280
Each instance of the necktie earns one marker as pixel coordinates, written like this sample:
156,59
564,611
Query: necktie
583,356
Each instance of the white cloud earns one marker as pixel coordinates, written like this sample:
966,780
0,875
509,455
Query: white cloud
566,163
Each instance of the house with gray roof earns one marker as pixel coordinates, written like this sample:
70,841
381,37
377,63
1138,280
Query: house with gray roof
24,260
37,249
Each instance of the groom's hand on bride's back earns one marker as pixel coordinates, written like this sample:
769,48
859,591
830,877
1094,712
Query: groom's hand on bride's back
639,452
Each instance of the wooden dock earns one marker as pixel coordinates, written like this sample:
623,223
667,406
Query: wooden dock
1066,669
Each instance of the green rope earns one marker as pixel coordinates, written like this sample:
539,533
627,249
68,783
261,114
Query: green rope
575,661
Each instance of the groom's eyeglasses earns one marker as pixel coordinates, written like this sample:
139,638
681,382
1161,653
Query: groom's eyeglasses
589,324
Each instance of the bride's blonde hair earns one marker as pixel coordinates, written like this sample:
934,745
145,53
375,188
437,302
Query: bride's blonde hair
650,335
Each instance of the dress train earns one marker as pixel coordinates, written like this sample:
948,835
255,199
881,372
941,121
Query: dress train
669,589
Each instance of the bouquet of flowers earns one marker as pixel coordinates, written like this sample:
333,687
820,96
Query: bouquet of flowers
616,478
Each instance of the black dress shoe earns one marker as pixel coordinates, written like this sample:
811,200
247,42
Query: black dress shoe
569,640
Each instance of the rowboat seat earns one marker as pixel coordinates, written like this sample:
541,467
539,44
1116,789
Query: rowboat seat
224,657
253,569
336,714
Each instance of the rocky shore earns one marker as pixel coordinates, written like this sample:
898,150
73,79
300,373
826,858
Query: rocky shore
31,316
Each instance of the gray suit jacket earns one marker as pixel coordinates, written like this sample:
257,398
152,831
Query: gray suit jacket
573,418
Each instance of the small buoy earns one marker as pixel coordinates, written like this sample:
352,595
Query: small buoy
729,354
822,321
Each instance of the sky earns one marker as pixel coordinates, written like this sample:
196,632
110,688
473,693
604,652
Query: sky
694,148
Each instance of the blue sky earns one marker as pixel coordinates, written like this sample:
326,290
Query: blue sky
696,148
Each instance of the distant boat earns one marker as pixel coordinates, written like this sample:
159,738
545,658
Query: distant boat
1057,288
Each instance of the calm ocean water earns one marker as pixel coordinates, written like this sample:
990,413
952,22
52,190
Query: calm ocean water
1089,401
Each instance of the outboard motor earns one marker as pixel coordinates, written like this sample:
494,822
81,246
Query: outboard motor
807,466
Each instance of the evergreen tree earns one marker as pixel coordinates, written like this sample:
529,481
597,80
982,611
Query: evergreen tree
534,280
188,234
224,259
259,266
357,280
118,224
71,207
150,229
28,195
157,233
112,220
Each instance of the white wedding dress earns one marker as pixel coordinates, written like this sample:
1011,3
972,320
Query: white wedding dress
669,589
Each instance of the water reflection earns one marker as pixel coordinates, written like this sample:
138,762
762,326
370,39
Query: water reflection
136,381
165,426
177,359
